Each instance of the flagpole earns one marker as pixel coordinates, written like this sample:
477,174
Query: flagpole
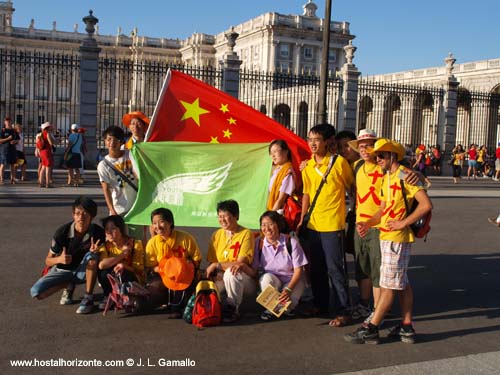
160,99
323,76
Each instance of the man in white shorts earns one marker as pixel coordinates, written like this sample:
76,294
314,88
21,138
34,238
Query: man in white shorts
396,237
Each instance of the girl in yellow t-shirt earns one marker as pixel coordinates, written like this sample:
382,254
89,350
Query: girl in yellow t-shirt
120,255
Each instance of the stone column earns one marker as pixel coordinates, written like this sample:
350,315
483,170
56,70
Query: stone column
89,73
450,112
231,67
349,102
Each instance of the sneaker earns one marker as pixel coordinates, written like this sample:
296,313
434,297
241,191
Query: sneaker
267,316
494,221
360,311
86,306
229,314
369,319
66,297
290,313
405,333
363,335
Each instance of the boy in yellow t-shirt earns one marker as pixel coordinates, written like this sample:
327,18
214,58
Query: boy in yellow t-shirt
323,234
395,244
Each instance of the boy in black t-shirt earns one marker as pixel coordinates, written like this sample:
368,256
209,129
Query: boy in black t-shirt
73,257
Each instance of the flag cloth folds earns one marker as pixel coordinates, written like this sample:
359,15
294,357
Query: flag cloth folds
190,178
191,110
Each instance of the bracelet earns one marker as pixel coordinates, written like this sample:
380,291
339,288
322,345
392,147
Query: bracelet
289,290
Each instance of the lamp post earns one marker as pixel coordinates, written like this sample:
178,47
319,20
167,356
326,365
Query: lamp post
323,76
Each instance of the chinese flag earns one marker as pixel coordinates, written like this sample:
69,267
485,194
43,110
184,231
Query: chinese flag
191,110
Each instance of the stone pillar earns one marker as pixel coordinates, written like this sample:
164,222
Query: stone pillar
231,67
450,112
349,102
89,73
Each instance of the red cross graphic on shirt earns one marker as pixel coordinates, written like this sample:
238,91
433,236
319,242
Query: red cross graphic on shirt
375,176
179,252
236,249
395,187
371,193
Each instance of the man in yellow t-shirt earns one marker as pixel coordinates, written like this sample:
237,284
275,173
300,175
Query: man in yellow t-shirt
395,244
230,254
323,234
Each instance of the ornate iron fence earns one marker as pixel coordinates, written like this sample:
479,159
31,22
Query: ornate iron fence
408,114
289,99
478,118
36,87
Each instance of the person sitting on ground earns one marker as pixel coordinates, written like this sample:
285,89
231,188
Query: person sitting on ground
120,255
73,257
168,242
230,252
138,123
277,264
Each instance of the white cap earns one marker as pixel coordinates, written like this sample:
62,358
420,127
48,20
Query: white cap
74,127
45,125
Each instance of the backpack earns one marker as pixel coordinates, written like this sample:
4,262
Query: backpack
40,142
207,307
422,226
125,295
187,314
292,211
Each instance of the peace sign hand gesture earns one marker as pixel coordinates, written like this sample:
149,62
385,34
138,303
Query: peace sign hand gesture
94,246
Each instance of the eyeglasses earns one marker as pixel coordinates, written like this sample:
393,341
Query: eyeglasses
382,155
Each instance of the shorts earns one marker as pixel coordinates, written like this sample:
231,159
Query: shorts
472,163
57,276
497,165
3,157
368,256
394,267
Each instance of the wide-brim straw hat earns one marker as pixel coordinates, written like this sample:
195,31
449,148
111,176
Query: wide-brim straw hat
384,144
364,134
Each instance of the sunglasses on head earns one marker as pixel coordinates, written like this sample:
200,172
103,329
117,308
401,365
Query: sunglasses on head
383,155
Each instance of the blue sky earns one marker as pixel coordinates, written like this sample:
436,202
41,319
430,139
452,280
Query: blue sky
391,35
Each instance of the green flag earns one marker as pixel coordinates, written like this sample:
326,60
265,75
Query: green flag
190,178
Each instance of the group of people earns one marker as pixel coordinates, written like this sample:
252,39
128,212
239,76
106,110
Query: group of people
240,261
12,151
479,162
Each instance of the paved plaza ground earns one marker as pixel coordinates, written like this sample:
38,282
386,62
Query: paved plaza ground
455,276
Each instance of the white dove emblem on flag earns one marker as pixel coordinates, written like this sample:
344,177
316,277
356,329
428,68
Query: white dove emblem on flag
171,190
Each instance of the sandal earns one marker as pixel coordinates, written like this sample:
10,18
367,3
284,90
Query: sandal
340,321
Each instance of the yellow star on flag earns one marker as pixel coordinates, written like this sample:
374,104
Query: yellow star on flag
224,108
231,121
227,133
193,110
214,140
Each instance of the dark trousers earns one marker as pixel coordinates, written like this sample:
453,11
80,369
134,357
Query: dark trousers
102,275
328,273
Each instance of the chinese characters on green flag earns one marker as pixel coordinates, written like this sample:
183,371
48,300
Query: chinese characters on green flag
190,178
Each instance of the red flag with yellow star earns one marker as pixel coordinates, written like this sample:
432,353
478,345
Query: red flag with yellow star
191,110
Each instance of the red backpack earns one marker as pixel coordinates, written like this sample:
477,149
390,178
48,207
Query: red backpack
207,308
292,211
